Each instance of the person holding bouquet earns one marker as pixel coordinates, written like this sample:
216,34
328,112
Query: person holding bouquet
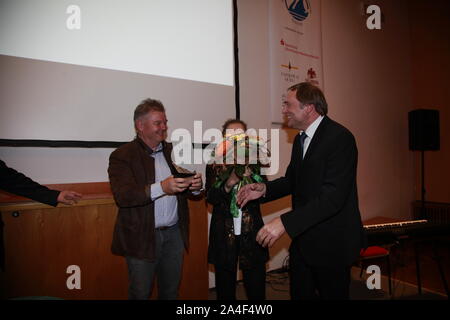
232,236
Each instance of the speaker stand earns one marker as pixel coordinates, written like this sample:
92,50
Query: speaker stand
422,209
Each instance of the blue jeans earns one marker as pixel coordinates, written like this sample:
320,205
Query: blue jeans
167,267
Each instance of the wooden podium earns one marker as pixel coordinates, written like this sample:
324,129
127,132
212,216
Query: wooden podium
41,242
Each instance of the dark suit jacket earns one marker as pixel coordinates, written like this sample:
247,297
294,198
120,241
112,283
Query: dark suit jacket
131,172
17,183
325,223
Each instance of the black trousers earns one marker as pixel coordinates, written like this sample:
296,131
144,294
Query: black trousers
254,283
311,282
254,280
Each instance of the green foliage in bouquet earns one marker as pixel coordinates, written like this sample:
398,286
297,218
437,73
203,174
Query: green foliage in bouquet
227,154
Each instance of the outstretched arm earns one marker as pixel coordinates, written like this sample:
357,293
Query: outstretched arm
17,183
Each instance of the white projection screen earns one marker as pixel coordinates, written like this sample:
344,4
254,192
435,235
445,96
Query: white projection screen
76,70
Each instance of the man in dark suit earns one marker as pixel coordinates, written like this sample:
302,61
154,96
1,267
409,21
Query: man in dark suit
151,229
17,183
325,222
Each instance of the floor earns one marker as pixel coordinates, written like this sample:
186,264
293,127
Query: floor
277,288
404,279
403,263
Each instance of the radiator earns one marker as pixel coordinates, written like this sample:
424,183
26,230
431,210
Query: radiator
436,212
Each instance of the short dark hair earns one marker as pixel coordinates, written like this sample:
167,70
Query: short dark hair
308,93
146,106
231,121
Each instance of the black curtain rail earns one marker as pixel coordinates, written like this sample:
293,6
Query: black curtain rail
60,143
71,144
237,97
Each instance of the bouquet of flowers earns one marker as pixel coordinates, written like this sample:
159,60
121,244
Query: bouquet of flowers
243,154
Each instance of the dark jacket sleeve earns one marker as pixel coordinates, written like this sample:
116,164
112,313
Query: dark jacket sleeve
17,183
215,196
126,191
283,186
277,188
338,180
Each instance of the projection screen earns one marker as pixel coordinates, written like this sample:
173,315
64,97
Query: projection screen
75,70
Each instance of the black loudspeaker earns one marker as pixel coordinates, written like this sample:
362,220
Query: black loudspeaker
424,131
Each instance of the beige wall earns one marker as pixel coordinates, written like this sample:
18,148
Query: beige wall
367,80
430,31
370,84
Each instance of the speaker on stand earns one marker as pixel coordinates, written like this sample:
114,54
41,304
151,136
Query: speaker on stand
424,135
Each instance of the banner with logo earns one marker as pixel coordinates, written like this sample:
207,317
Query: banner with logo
295,48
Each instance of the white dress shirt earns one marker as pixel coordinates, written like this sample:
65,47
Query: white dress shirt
166,206
310,131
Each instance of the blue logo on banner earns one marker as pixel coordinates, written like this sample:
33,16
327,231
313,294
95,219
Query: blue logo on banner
299,9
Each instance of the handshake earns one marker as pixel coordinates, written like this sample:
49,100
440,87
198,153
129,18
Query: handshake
271,231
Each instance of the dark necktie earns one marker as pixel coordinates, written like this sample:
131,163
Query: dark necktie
302,142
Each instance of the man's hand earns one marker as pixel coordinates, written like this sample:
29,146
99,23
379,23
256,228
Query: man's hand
69,197
250,192
196,182
270,233
173,185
